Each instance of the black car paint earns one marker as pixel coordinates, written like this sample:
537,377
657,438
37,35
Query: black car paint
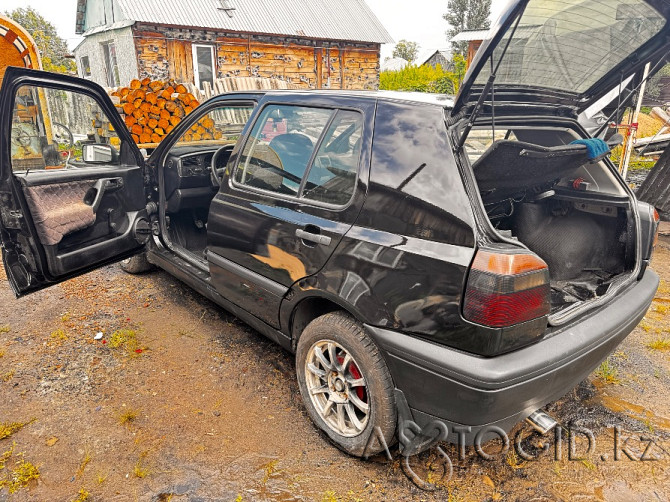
257,230
397,261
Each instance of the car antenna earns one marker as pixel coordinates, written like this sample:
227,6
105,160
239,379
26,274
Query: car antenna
487,88
623,102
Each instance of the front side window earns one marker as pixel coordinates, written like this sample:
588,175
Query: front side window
56,129
111,65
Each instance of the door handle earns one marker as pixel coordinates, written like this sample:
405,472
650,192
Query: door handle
312,237
94,196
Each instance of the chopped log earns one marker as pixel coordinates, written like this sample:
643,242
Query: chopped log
151,109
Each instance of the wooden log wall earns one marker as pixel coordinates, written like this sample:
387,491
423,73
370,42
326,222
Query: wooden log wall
164,53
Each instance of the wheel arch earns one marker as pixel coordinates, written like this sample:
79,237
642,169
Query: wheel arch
308,309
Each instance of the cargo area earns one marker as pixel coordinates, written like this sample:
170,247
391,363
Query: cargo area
571,210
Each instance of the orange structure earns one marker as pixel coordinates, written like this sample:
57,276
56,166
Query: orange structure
17,47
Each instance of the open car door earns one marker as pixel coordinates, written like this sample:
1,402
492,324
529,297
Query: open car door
72,194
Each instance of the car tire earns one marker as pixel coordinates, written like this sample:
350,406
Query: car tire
137,264
359,380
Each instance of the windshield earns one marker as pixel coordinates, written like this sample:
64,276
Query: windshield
570,45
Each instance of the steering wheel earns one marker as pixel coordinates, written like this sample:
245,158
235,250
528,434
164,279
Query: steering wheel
216,173
62,136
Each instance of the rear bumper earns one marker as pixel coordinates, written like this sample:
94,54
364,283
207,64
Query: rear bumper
461,389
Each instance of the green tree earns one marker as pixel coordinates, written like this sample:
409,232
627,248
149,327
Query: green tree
52,47
466,15
406,50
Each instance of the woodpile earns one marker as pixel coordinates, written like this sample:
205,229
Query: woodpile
152,108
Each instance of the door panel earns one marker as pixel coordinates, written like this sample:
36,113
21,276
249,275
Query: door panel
276,217
71,180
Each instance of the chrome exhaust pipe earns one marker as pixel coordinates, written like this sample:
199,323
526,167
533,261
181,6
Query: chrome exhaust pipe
541,422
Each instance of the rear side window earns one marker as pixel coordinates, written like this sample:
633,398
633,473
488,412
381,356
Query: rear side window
303,152
278,152
332,176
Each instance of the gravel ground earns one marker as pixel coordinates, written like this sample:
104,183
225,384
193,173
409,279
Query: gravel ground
180,401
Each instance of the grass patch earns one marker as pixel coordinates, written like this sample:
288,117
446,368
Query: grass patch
85,461
125,339
270,468
4,329
662,309
128,417
646,327
82,496
588,464
607,372
2,353
19,474
661,343
329,496
6,377
139,471
9,428
58,337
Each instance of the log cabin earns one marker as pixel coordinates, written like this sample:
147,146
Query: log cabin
315,44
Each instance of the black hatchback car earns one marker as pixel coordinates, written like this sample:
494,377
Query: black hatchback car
466,260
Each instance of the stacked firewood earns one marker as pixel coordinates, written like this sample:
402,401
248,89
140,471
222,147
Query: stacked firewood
152,108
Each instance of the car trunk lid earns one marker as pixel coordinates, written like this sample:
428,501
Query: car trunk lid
565,54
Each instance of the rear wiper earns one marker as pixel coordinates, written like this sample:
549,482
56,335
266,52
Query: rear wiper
487,88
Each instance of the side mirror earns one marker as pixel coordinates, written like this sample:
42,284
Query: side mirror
99,154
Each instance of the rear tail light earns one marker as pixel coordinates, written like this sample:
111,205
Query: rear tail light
505,289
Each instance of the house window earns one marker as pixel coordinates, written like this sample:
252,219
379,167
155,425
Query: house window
203,65
85,66
111,66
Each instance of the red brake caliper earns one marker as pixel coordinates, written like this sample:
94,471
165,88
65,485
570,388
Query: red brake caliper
353,369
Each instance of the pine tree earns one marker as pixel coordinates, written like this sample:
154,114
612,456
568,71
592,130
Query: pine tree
52,47
466,15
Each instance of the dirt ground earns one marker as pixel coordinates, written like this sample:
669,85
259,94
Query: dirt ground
180,401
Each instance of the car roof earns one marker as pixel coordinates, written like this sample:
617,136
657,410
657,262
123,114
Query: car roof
442,100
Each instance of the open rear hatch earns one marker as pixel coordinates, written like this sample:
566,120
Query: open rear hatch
543,64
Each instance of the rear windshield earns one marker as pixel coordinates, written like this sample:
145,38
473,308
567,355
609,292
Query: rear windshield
570,45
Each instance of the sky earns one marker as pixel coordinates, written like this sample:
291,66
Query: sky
419,20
